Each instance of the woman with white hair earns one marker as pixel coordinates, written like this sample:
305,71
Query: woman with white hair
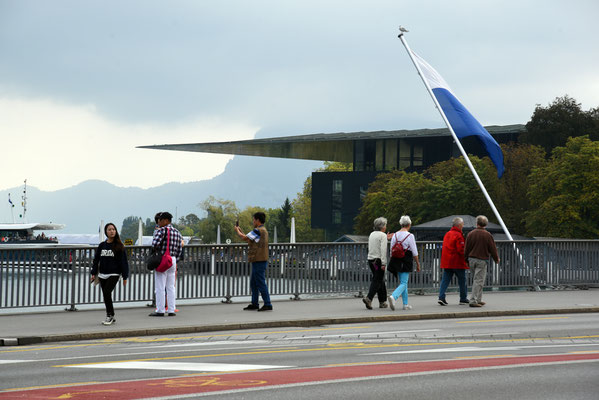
402,267
377,260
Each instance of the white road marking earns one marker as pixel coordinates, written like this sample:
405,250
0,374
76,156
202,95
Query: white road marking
219,343
468,336
459,349
179,366
360,334
135,354
14,361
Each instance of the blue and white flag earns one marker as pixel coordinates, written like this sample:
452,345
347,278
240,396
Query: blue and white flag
462,122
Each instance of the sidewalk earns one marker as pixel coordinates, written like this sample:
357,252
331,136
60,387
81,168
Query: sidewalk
82,325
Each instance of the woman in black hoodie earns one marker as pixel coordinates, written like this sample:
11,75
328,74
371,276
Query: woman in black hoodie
110,262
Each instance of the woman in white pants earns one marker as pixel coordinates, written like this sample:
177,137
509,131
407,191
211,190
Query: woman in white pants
168,240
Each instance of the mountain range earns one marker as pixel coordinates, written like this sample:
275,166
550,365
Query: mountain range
248,181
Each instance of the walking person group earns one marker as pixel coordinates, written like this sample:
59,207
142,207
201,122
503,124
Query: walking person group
400,264
458,254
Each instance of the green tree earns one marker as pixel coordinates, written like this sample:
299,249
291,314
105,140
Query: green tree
391,195
272,222
129,229
189,225
190,220
446,188
284,220
336,166
149,227
564,195
551,126
218,212
302,212
246,218
511,198
186,231
454,190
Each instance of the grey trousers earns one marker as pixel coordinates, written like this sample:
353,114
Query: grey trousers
478,268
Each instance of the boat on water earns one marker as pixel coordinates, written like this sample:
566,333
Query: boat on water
24,234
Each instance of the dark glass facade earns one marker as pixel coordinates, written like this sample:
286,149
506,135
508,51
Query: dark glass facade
337,196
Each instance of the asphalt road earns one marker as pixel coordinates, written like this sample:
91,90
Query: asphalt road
531,357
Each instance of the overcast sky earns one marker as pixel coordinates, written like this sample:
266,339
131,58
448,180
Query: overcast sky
84,82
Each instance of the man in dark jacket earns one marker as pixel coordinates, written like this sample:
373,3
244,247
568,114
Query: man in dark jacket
453,261
479,246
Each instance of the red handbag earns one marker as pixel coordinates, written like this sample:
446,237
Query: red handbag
167,260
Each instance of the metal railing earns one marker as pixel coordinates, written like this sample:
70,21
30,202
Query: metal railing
59,276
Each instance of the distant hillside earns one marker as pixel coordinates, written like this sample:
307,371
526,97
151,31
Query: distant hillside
246,180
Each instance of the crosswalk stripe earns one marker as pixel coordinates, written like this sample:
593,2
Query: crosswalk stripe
15,361
180,366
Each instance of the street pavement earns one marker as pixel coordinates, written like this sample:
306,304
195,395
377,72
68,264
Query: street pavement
22,329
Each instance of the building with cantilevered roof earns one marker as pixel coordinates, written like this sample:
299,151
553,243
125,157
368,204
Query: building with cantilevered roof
337,196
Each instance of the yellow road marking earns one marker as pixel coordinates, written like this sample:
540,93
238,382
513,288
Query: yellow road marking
280,348
51,386
510,319
584,352
210,381
493,356
142,340
75,394
359,363
69,346
328,348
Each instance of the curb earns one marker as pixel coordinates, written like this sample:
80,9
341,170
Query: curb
27,340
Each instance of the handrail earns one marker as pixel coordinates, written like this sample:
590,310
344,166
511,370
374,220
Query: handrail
59,275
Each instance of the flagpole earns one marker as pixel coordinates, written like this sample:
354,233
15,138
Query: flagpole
455,137
12,209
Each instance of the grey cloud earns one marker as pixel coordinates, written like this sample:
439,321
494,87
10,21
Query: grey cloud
313,66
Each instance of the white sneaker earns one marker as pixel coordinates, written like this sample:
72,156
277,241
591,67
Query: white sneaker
407,307
391,302
109,321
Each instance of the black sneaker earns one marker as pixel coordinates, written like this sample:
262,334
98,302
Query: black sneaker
442,302
109,320
156,314
464,302
265,308
251,307
172,314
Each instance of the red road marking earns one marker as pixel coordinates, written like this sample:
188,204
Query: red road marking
211,383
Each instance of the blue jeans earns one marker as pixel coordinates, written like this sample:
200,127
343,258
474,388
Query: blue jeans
448,273
402,289
258,283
